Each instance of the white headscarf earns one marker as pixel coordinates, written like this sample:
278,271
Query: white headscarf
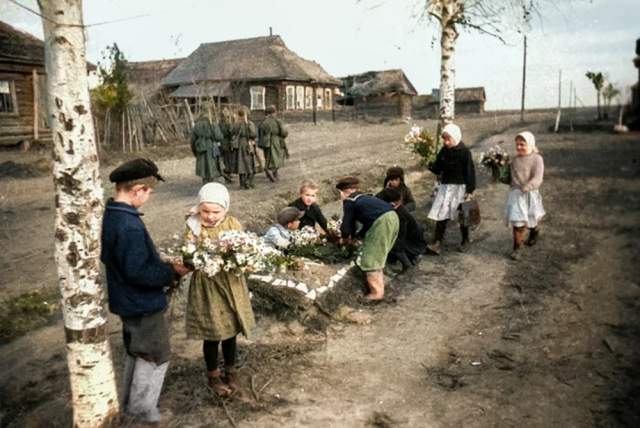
530,140
454,132
212,193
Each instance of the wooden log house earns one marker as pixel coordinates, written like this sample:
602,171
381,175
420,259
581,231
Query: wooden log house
255,72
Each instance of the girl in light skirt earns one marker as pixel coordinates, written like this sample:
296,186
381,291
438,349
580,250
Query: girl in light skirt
454,166
524,203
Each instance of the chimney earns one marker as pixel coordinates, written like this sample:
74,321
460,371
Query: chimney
270,32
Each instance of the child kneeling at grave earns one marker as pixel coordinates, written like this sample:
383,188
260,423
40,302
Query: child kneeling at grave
379,231
279,234
312,214
410,243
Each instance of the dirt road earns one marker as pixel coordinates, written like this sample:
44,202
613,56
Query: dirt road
466,339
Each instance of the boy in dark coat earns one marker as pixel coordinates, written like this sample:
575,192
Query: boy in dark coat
137,281
395,180
307,204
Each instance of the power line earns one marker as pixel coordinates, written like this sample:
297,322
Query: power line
96,24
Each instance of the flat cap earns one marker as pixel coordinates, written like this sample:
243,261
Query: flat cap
289,214
347,183
134,170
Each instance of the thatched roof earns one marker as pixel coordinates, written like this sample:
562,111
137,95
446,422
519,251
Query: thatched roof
140,72
259,58
465,95
378,83
203,90
20,47
462,95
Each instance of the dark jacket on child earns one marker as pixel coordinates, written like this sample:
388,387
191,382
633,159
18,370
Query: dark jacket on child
455,166
312,215
136,277
410,242
364,209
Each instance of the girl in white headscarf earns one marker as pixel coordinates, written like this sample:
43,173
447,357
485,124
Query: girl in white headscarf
457,175
218,308
524,203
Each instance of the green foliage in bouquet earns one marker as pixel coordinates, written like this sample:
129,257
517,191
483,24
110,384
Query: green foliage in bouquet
421,143
328,253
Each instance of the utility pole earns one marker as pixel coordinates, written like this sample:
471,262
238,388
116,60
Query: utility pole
557,127
524,78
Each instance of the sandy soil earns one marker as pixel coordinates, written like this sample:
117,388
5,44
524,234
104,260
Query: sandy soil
465,339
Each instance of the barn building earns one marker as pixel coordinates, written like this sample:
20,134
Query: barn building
386,93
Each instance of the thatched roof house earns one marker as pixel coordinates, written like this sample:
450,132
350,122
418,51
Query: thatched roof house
145,77
22,87
385,93
468,100
256,72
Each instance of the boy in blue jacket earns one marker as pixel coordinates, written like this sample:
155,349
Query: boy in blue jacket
137,280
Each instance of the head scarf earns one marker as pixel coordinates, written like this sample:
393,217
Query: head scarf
454,132
530,140
212,193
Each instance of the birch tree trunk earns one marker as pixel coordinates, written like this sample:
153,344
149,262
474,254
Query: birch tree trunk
448,37
78,200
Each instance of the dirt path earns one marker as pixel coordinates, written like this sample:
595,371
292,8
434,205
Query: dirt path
478,340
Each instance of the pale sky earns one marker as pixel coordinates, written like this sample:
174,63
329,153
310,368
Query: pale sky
348,37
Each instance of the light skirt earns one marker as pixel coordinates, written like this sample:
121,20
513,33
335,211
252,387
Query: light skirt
448,198
524,209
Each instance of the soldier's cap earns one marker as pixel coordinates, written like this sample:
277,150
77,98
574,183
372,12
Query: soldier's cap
135,169
289,214
347,183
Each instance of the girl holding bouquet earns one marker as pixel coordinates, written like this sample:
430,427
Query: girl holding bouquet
218,307
524,203
454,166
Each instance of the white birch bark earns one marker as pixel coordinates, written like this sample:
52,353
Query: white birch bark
447,12
79,206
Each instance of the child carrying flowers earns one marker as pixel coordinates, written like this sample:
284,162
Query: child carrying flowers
218,306
454,166
524,203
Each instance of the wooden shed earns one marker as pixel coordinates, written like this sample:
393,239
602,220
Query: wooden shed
468,101
386,93
22,95
144,78
255,72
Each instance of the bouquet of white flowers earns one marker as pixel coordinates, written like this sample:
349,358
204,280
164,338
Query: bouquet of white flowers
234,251
305,237
422,144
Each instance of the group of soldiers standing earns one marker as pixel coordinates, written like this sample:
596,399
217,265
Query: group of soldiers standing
230,146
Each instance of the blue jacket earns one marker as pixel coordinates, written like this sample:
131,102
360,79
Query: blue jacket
136,277
363,209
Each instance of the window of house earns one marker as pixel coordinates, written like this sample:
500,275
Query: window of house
6,97
308,98
257,97
327,99
300,97
319,97
291,97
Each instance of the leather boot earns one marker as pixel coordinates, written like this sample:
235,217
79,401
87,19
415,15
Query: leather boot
534,233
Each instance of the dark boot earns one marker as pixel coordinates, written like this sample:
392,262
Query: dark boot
534,234
243,181
227,178
269,175
275,174
464,245
250,178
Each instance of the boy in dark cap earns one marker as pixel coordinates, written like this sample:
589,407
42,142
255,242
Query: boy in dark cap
279,235
378,232
395,180
137,280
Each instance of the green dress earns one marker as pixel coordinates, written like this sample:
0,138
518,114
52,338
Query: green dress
273,135
205,145
218,308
